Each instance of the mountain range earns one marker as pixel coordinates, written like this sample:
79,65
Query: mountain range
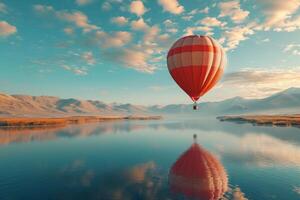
284,102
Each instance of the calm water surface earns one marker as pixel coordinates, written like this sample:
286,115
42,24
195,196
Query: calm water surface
132,160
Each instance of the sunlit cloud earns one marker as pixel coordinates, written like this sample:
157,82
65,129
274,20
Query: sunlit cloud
259,83
121,21
212,21
138,8
171,6
262,150
278,14
76,18
7,29
116,39
233,10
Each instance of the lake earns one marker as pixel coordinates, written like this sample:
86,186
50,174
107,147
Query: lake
133,160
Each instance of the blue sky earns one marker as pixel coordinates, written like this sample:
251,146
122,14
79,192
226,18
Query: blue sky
114,50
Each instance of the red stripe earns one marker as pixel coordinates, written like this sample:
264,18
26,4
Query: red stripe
192,48
189,66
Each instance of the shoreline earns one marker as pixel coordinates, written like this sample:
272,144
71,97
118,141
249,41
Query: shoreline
265,120
24,122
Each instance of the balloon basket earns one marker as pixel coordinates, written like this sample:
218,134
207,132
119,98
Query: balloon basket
195,107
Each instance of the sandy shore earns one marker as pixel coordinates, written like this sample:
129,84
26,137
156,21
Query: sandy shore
63,121
270,120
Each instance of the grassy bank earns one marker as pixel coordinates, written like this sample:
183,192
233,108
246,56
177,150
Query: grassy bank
270,120
63,121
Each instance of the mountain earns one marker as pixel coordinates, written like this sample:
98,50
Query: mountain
284,102
287,101
23,105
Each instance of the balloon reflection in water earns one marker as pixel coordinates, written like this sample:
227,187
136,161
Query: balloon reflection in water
198,174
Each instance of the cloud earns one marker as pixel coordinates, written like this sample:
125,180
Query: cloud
292,48
204,10
77,18
112,40
107,4
136,59
139,24
296,189
7,29
264,151
266,40
260,83
43,9
138,8
204,29
170,26
121,21
88,57
3,8
81,71
212,21
233,36
171,6
277,12
233,10
83,2
68,31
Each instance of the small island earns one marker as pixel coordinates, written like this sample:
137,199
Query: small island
265,120
63,121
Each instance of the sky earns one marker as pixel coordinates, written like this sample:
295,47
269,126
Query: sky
115,50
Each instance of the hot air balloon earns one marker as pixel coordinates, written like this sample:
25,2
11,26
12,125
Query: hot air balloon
196,63
197,174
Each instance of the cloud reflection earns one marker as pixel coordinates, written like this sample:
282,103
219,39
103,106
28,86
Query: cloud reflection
262,150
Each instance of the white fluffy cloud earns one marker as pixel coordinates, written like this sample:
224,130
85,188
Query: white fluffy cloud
138,8
121,21
139,24
77,18
277,11
136,59
171,6
264,151
203,29
7,29
233,36
212,21
293,48
233,10
112,40
259,83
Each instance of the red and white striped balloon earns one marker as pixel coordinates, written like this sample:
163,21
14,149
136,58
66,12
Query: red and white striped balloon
196,63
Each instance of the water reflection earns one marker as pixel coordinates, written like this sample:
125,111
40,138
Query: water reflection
198,174
21,135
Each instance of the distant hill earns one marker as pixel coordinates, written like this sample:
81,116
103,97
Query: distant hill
287,101
284,102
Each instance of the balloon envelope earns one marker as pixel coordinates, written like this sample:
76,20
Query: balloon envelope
196,63
198,174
